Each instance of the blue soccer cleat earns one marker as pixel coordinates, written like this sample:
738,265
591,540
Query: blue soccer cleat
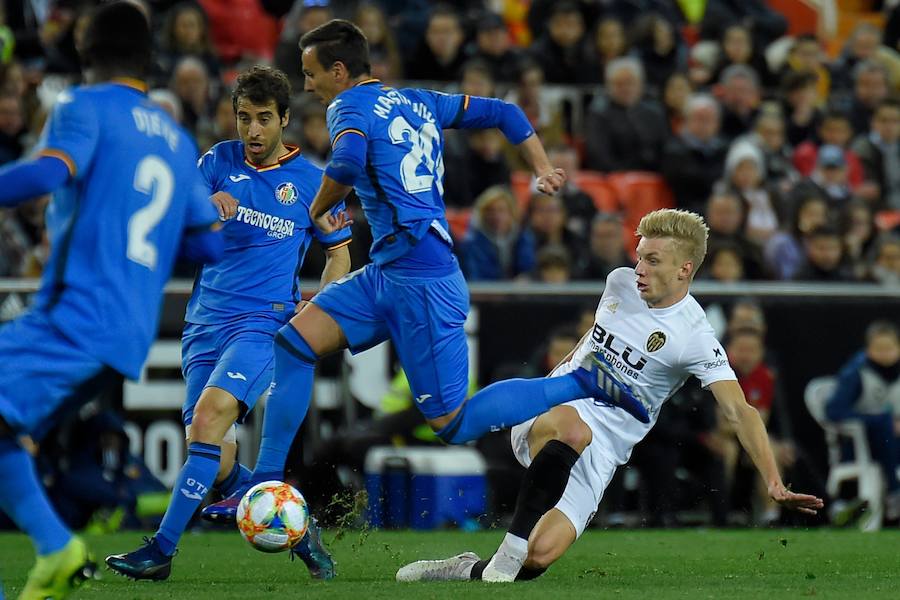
224,511
314,554
147,562
600,381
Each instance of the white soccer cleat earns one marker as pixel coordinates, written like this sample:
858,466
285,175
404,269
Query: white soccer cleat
455,568
503,567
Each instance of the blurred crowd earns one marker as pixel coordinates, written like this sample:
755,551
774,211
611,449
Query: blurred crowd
794,158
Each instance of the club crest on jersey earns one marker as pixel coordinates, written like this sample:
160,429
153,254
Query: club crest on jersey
286,193
656,341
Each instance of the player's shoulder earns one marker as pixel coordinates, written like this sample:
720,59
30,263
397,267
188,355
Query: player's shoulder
223,153
621,277
693,317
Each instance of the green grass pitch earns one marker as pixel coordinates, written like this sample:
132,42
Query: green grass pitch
644,564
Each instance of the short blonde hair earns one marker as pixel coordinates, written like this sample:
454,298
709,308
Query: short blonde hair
686,228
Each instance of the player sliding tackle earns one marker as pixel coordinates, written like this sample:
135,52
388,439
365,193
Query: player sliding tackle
656,335
263,190
388,146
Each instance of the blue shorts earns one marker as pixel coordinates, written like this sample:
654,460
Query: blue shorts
423,317
235,356
44,375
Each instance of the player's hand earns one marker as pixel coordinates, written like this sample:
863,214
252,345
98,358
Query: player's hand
329,223
300,306
804,503
226,204
552,182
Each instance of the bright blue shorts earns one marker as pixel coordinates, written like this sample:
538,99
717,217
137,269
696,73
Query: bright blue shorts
43,375
235,356
424,319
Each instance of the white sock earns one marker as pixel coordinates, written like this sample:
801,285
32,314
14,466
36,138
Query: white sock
514,545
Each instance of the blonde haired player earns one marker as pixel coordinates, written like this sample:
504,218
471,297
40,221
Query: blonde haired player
649,327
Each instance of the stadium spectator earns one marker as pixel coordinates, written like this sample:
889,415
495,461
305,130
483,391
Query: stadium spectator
825,257
784,250
800,105
806,56
695,159
301,18
562,51
745,176
440,54
316,142
606,248
765,23
726,217
868,389
768,135
623,131
554,264
740,95
724,263
657,44
879,153
871,85
495,247
382,43
494,47
886,263
477,161
829,179
13,128
185,33
223,125
191,84
610,43
477,79
579,205
546,219
858,225
675,94
863,44
737,48
834,129
542,107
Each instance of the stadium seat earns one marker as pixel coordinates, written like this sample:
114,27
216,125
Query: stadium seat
594,184
459,220
638,193
860,466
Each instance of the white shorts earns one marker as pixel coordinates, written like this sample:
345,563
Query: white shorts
587,481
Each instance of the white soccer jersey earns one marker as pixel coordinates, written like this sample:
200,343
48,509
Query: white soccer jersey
654,350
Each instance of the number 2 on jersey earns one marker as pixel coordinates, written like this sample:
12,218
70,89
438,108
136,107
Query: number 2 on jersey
422,153
153,177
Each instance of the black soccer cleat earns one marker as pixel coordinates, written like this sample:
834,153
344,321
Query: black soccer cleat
147,562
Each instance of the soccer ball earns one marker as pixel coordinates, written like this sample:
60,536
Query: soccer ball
272,516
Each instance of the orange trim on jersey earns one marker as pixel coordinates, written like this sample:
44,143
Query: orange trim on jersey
339,245
137,84
466,103
366,81
70,164
338,136
292,153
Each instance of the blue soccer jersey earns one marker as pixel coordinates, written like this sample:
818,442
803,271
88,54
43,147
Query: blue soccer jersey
402,189
266,241
115,228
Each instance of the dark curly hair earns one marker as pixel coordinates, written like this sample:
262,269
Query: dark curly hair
260,84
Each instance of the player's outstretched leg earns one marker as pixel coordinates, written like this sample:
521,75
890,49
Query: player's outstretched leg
455,568
513,401
62,562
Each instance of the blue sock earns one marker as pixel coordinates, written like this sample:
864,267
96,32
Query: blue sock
22,497
507,403
287,403
238,476
196,477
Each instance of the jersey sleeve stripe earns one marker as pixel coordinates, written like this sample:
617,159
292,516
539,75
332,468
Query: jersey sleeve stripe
463,107
339,244
63,156
338,136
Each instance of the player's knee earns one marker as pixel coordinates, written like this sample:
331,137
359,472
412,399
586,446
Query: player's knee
576,434
212,418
